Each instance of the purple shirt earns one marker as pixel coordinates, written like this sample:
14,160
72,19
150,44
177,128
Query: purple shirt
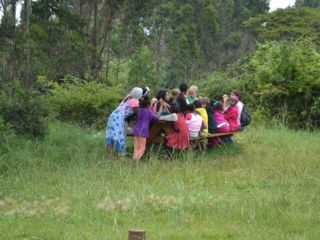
145,116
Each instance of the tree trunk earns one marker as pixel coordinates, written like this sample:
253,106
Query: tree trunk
94,34
26,14
158,58
108,56
13,55
105,34
81,15
82,68
4,4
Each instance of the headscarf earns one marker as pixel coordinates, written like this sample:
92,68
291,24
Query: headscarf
136,92
234,98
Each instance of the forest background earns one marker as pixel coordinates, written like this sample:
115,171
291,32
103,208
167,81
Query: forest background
74,59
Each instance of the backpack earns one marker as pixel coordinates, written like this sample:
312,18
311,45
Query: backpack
245,117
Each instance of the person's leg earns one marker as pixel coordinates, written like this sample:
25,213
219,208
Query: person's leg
141,148
110,150
225,139
241,128
136,147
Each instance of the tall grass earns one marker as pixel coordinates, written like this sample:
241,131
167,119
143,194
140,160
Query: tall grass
266,186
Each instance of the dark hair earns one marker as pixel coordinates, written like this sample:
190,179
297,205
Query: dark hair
237,93
145,90
190,107
175,108
219,106
183,87
198,103
145,102
162,94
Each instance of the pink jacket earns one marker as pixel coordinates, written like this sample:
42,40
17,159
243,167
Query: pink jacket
232,117
219,118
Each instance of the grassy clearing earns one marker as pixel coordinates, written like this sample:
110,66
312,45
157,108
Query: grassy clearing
266,186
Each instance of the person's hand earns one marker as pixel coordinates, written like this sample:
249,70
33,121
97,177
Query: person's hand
225,97
153,101
161,102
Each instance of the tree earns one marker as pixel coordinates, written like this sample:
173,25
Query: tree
26,22
142,69
308,3
282,80
286,24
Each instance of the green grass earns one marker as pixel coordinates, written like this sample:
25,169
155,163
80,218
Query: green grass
266,186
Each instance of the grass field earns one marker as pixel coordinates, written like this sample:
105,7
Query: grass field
266,186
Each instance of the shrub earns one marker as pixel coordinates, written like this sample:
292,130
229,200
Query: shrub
83,102
3,125
24,111
216,84
283,80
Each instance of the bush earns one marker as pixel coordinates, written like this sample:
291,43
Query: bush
83,102
3,125
283,80
216,84
24,111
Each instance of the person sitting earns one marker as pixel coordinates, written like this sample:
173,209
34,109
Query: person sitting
210,107
179,139
146,92
161,105
194,121
222,125
239,106
193,94
174,95
141,130
232,114
203,112
182,99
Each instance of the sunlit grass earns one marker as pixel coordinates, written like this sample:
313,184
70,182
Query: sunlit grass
266,186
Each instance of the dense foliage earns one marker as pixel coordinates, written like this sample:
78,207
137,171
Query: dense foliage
282,79
23,111
217,84
83,102
180,40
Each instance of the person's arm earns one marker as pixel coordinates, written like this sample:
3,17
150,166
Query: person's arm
136,111
171,117
188,116
153,106
155,117
204,125
231,114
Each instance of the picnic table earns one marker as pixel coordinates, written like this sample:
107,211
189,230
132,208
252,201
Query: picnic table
160,129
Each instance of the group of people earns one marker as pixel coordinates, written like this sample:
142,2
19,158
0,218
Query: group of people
192,116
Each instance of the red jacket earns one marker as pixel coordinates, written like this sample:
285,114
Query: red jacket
232,117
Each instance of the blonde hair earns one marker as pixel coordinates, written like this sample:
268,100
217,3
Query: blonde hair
205,100
193,89
175,92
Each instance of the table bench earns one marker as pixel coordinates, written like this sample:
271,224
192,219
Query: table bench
160,129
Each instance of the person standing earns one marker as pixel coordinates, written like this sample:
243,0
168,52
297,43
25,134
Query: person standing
141,131
115,132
